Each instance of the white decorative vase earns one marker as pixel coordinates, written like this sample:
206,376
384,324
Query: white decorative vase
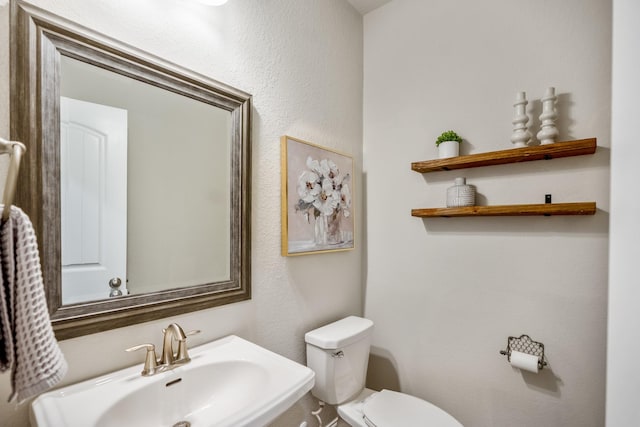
548,131
327,229
461,194
448,149
521,135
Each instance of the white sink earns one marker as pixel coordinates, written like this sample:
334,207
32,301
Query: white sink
229,382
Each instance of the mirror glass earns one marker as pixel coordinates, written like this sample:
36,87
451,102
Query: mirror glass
137,177
145,186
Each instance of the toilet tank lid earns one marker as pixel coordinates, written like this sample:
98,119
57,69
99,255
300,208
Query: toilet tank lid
339,334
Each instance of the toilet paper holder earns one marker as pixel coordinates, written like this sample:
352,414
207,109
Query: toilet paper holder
525,344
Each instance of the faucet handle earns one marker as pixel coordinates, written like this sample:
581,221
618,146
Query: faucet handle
183,354
150,361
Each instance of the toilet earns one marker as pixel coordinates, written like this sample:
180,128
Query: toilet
338,353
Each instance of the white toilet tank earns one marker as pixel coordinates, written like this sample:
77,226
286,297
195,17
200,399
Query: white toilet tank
338,353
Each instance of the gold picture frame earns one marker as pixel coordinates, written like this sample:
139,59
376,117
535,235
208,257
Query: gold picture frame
317,199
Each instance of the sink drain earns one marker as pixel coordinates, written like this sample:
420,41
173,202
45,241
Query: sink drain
182,424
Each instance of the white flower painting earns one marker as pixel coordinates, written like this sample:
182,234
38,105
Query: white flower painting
316,197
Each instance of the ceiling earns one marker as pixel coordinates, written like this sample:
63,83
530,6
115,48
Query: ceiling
366,6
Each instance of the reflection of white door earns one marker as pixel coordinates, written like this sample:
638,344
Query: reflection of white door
93,178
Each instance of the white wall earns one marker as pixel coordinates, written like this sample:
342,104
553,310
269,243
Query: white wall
446,293
302,61
623,380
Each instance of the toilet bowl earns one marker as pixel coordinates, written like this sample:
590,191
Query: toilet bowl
338,353
390,408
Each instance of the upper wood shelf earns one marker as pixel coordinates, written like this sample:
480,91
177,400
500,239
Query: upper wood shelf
582,208
514,155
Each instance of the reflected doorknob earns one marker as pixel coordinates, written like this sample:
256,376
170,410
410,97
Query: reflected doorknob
114,284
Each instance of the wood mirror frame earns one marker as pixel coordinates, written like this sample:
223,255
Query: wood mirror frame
38,39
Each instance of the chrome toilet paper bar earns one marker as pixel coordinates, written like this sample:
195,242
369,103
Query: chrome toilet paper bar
524,344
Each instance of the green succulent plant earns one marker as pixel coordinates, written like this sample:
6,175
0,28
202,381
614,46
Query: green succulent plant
448,136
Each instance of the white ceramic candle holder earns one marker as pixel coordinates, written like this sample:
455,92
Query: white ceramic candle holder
548,131
521,135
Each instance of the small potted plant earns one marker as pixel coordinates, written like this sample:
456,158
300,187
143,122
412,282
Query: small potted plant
448,144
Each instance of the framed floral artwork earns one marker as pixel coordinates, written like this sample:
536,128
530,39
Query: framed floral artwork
317,199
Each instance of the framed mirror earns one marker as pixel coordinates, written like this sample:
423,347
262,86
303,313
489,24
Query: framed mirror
136,177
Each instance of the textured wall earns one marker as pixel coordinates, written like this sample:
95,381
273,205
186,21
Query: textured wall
446,293
302,61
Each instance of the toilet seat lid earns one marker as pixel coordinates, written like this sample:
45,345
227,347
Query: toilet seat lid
390,408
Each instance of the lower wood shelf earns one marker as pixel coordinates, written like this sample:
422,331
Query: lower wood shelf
582,208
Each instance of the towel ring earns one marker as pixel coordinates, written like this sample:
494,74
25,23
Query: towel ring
15,149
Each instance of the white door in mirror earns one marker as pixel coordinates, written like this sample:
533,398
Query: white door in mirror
93,199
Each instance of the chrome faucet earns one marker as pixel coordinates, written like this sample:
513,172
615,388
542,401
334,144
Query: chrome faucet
173,331
170,358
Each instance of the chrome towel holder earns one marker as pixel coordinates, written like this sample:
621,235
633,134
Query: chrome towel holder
15,149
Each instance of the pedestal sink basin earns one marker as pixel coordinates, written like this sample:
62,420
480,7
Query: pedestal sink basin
229,382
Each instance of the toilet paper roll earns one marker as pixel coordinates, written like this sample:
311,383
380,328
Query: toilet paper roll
525,361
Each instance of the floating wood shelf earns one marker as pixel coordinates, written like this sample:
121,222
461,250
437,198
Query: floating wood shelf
514,155
583,208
